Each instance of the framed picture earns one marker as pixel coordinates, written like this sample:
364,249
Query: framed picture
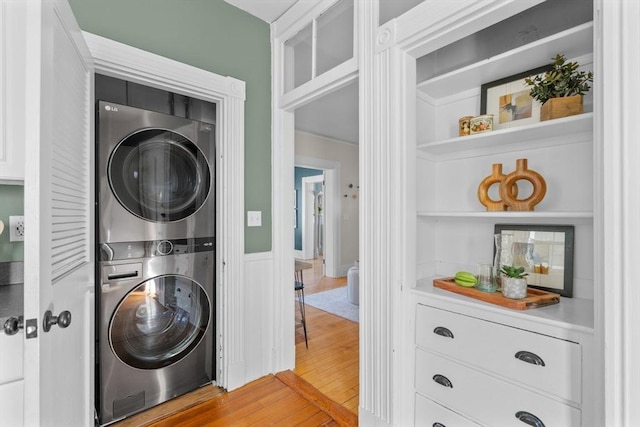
509,101
545,252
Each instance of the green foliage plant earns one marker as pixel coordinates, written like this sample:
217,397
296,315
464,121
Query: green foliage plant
513,271
563,79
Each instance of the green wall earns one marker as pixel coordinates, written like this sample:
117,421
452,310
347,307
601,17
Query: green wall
217,37
11,203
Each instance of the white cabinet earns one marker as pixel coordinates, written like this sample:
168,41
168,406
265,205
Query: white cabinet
11,379
487,364
488,399
12,107
493,369
550,365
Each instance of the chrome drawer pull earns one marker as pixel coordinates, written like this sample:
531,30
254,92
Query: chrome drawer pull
442,331
442,380
438,425
529,419
527,356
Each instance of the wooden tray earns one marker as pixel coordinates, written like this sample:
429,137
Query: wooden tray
535,298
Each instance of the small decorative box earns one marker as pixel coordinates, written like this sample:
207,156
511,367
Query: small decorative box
463,125
482,123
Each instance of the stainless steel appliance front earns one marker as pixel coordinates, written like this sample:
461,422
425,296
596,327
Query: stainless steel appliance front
155,175
156,320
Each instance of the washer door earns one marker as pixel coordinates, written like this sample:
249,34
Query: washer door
159,322
159,175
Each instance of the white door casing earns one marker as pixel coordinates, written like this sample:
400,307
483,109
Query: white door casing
332,211
58,195
129,63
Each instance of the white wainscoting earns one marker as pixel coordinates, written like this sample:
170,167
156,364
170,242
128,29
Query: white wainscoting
259,327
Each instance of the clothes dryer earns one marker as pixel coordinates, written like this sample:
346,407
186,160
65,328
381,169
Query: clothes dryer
155,175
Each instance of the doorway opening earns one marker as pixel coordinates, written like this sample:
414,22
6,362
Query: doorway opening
326,179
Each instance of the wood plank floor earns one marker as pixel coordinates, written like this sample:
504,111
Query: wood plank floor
279,400
321,391
331,363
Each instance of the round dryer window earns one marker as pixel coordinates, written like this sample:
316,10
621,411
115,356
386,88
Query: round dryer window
159,322
159,175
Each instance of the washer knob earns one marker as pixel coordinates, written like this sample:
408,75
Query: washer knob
165,247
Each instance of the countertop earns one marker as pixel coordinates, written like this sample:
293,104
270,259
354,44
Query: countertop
11,290
11,301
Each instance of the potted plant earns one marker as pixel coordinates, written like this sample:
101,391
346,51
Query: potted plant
560,89
514,284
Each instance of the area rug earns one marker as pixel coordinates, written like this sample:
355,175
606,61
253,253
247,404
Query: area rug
334,301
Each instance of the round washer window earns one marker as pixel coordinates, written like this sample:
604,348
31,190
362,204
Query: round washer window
159,322
159,175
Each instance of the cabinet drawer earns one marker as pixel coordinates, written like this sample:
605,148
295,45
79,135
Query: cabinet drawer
11,404
431,414
488,399
12,354
549,364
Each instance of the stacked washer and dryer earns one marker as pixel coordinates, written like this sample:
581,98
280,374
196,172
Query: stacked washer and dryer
156,250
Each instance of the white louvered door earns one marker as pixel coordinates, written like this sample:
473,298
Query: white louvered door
59,247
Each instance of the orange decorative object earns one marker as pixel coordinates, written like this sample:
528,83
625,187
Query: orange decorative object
496,177
522,172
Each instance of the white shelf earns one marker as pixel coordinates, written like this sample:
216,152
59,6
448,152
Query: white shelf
567,130
573,43
561,217
571,313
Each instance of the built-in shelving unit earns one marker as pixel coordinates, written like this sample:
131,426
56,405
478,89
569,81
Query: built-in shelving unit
454,232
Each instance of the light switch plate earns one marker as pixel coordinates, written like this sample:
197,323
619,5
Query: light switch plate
254,218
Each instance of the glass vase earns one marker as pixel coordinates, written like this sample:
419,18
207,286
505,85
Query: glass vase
503,254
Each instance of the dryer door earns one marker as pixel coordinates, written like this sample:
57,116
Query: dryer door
159,175
159,322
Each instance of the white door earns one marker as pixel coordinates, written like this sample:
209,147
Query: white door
59,254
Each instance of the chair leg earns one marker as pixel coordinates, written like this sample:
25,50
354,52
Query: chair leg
302,314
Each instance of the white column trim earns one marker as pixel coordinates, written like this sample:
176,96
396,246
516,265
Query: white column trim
619,207
282,152
126,62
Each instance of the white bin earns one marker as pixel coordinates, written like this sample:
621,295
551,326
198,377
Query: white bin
353,286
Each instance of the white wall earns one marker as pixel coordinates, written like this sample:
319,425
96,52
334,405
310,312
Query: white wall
346,154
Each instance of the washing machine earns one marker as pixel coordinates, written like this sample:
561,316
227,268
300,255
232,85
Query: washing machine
156,322
155,175
155,273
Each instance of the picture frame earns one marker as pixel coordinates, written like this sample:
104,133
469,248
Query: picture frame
509,101
546,253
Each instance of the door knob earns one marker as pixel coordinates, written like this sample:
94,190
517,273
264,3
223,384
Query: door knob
13,324
62,320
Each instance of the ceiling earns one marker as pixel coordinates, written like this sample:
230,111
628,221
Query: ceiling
334,115
267,10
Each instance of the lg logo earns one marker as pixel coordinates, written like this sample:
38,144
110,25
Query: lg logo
110,108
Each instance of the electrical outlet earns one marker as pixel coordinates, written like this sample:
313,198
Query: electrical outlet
16,228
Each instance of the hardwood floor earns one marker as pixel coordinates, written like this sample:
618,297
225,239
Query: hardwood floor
279,400
321,391
315,281
331,363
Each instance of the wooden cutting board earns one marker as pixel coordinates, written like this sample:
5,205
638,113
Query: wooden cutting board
535,297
